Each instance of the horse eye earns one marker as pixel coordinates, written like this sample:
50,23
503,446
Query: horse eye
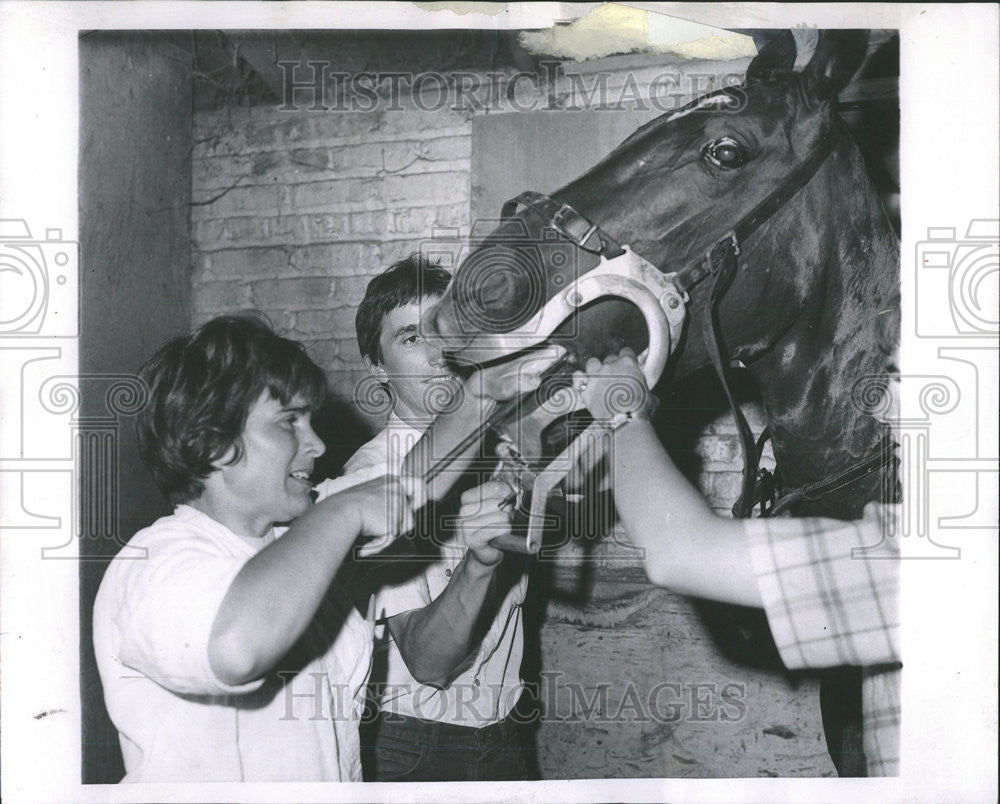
724,153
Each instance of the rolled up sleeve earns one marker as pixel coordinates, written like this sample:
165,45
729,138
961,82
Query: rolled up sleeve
169,602
830,589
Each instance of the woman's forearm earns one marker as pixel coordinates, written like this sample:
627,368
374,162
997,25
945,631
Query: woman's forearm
274,596
688,547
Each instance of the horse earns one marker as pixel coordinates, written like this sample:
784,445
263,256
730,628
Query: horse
753,204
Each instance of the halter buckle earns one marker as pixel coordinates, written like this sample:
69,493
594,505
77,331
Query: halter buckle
731,237
714,255
570,223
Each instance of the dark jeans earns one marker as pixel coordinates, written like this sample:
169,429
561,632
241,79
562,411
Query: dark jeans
411,750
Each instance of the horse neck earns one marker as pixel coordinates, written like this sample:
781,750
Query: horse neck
809,381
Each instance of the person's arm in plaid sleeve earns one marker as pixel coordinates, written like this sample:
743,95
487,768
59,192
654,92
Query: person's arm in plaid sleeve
830,598
691,550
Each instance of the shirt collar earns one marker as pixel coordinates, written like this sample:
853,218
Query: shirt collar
191,514
397,425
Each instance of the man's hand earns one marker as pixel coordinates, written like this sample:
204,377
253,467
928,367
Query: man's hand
436,641
483,517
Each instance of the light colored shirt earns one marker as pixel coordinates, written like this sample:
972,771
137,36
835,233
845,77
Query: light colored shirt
176,720
832,600
487,690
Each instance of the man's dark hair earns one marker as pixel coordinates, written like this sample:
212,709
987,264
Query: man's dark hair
201,389
400,284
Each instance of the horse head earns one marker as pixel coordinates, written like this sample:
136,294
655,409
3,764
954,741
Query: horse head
766,171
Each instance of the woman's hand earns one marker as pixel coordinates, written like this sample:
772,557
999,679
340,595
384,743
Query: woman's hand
382,508
614,388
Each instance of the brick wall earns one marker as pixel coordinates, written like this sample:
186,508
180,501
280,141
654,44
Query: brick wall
295,211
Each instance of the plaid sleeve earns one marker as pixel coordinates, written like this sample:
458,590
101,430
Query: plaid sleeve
830,589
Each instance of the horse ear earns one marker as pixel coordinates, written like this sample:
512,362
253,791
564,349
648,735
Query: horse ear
838,56
777,55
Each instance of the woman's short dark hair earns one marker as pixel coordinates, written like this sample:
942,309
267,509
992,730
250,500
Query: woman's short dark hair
401,283
201,389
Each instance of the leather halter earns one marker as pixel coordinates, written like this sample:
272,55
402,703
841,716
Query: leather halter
884,455
566,221
719,261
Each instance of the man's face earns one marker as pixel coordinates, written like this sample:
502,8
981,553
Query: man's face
416,372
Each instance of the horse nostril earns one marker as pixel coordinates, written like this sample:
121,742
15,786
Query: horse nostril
496,289
499,288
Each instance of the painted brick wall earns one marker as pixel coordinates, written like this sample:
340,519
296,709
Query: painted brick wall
295,211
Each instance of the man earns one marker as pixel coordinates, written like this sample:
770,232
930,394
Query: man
453,630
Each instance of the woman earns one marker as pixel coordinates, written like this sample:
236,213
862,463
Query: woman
226,653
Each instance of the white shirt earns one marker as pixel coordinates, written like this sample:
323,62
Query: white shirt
486,691
175,719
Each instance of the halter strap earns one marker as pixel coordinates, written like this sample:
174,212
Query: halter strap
567,221
717,253
590,237
859,470
720,260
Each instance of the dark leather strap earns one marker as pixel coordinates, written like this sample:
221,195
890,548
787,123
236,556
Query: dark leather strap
880,458
720,260
716,348
567,221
